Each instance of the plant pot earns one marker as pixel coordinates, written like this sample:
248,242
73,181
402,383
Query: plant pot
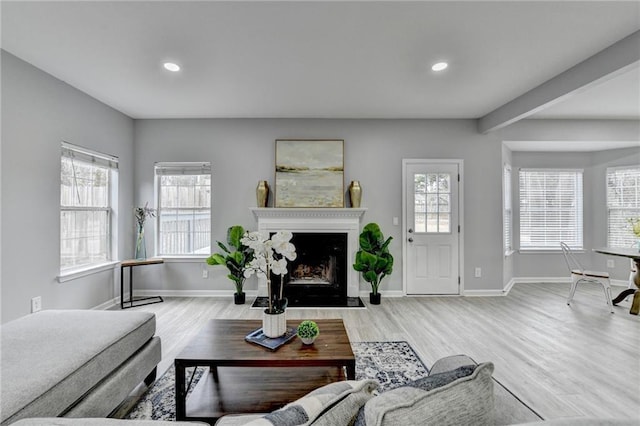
239,298
308,340
374,298
274,324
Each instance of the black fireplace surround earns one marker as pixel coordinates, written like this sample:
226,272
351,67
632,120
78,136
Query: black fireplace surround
318,275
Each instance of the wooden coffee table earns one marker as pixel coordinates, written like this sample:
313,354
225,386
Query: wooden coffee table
229,386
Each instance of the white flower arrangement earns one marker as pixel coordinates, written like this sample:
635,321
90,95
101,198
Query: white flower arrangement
270,255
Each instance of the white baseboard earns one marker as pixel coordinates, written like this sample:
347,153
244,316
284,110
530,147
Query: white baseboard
532,280
507,288
483,293
620,283
388,293
191,293
107,305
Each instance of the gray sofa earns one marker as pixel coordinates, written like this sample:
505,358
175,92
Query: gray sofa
457,393
76,363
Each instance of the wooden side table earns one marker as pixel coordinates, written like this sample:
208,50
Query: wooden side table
132,302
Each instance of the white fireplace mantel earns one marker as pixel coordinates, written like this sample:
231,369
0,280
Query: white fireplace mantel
328,220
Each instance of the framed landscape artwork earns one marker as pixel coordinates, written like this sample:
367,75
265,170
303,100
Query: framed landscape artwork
309,173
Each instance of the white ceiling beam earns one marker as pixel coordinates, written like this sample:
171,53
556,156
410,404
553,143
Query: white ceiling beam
604,65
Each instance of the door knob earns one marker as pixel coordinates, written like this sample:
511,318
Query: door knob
410,230
410,240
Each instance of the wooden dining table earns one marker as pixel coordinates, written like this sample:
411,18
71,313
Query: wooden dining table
634,255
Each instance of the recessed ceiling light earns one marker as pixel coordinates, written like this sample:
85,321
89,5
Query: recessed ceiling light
171,66
440,66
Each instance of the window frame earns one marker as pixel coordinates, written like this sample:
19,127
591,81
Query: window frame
634,211
576,244
507,209
110,163
179,169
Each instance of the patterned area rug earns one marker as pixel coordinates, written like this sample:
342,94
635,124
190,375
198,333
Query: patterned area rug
392,364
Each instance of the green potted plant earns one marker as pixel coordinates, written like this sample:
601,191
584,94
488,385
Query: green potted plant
373,259
308,331
236,257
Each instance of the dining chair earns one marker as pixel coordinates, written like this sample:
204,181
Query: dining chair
580,275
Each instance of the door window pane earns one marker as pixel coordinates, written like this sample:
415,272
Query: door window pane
432,193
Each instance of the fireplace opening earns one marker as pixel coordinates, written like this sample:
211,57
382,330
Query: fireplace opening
318,275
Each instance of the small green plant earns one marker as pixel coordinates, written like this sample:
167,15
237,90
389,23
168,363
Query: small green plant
308,329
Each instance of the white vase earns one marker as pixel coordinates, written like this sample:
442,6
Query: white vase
274,325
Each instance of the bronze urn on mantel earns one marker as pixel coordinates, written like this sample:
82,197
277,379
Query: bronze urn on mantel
262,194
355,193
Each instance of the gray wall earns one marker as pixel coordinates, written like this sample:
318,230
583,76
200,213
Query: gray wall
242,152
38,112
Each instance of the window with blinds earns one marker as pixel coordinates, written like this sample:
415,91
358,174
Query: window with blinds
507,212
550,209
184,208
623,204
86,184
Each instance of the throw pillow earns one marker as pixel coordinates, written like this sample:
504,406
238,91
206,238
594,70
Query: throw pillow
332,404
440,379
467,400
429,383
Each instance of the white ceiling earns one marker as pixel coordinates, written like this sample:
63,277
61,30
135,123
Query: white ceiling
323,59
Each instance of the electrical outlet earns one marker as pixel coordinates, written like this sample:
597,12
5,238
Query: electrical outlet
205,274
36,304
396,221
478,272
611,263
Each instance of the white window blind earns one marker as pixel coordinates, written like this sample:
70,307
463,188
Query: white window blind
507,222
550,209
184,208
623,203
86,185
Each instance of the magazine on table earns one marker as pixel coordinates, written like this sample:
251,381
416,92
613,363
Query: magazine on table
258,337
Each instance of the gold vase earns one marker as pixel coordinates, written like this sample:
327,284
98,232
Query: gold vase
355,193
262,193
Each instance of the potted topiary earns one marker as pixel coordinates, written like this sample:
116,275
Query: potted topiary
308,331
236,261
373,259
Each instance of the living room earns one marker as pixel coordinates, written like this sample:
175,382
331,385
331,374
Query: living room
46,101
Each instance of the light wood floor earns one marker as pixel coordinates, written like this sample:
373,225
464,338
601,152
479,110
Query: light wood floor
563,361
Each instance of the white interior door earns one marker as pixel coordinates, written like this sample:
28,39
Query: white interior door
432,234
